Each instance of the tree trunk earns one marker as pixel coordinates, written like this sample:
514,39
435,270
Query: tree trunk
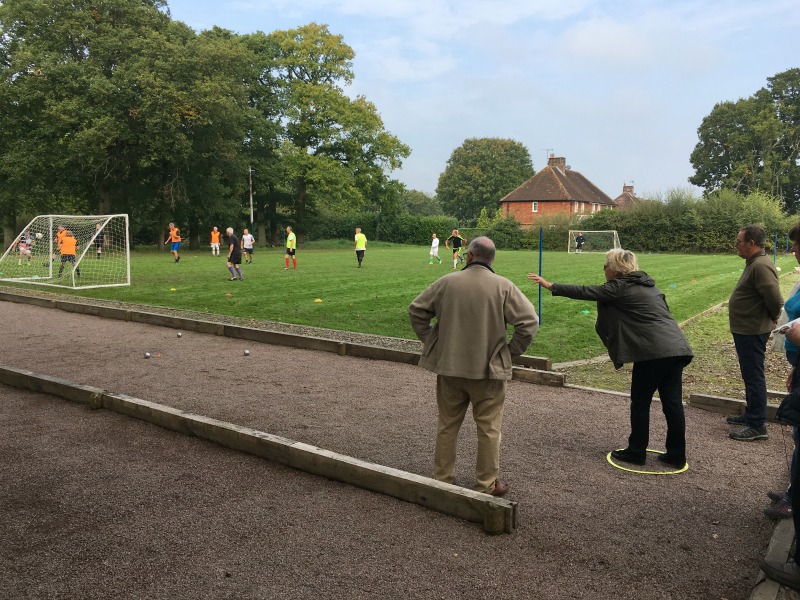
104,206
261,229
300,206
194,233
9,227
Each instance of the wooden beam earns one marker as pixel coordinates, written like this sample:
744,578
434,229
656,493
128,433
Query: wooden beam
496,515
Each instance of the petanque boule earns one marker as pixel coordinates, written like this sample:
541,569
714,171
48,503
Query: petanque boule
147,355
247,352
180,334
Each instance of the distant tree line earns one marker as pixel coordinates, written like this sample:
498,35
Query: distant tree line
111,106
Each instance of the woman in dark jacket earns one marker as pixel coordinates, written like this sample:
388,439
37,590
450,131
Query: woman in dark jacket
634,323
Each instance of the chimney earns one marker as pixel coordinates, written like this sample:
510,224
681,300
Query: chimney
627,189
557,162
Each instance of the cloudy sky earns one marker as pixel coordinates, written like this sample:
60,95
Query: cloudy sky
618,87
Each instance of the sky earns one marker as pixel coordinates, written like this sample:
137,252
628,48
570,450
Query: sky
617,87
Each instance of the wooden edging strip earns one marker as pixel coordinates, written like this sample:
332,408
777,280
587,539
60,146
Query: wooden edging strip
780,544
534,369
497,515
728,406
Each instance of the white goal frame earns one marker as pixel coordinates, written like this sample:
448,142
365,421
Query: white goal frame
48,231
612,233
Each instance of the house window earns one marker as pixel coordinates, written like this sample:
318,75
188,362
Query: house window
574,207
595,208
535,207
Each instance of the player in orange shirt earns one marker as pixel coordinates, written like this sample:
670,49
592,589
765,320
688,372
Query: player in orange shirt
215,234
69,249
175,239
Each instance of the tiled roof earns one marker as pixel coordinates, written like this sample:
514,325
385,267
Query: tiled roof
557,183
627,198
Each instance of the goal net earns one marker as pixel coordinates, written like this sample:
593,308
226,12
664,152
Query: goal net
76,251
592,241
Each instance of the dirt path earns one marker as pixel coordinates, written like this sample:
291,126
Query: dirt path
95,504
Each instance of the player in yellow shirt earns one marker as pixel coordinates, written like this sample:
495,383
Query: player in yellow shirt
175,240
215,236
69,250
360,245
291,247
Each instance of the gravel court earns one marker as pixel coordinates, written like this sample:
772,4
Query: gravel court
586,530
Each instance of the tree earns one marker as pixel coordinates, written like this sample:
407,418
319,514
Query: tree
479,173
415,202
753,144
333,149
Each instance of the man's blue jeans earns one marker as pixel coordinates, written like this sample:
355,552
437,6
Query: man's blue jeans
751,350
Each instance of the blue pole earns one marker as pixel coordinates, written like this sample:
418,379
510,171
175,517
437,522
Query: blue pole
775,249
540,274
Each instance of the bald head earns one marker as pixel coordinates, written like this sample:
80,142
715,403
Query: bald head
482,249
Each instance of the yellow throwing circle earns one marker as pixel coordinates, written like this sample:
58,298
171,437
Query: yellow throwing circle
685,467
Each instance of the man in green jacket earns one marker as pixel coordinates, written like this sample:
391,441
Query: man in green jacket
468,350
753,311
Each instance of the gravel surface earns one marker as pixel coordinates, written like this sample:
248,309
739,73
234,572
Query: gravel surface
96,505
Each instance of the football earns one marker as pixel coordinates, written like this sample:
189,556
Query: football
39,235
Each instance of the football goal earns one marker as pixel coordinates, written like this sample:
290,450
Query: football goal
592,241
76,251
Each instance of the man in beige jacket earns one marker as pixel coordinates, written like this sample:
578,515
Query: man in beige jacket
468,350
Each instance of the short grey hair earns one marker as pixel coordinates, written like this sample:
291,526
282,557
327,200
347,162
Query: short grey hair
482,249
622,261
229,230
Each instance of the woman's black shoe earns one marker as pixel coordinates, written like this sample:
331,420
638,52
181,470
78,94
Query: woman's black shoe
672,460
629,456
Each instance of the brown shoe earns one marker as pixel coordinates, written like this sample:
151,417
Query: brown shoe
500,488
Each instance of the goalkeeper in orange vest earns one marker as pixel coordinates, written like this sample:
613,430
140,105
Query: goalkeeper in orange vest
69,250
175,240
215,235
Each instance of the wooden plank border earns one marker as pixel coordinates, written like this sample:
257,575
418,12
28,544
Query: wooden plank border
497,515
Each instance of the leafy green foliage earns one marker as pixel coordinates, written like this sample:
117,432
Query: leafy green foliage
419,203
479,173
683,223
753,144
110,106
333,150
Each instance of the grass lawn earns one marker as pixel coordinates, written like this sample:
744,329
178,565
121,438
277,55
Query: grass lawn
374,299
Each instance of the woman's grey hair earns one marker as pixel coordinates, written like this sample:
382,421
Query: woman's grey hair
622,261
229,230
482,249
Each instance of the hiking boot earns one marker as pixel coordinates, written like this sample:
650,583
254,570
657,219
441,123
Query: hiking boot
735,420
781,510
775,496
749,434
787,574
672,461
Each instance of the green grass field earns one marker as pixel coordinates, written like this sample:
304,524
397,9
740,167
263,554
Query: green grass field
374,299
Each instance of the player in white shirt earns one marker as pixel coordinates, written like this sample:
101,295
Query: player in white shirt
434,250
248,241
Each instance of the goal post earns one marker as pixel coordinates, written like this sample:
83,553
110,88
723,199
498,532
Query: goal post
99,256
592,241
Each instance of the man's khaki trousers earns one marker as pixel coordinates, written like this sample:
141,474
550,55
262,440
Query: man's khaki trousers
453,396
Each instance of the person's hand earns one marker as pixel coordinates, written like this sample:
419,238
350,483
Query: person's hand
793,333
540,280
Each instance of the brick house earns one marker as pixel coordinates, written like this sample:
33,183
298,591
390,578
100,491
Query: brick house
627,198
556,189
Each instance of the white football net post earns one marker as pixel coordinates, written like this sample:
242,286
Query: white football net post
101,258
594,241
